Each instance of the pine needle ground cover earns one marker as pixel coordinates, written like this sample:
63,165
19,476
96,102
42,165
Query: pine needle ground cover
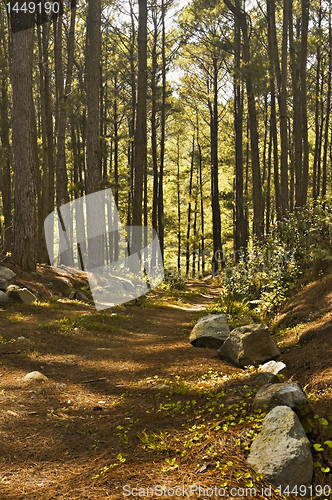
130,407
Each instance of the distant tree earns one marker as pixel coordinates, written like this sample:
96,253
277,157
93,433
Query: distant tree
258,221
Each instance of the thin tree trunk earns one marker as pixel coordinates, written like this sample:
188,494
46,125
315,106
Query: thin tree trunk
321,127
178,203
132,120
297,118
273,117
317,109
153,122
195,228
48,117
268,187
303,79
45,194
240,229
6,152
216,221
162,134
140,141
327,116
281,77
116,165
93,174
189,207
255,163
202,205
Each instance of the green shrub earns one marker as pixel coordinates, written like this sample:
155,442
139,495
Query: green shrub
267,271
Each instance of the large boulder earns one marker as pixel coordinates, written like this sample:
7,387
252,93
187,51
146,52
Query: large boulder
285,394
18,294
210,331
249,345
3,297
281,451
7,277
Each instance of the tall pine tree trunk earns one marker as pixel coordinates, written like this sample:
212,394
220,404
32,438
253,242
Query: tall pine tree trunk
93,158
240,229
297,118
24,147
317,110
6,151
154,121
216,221
140,140
304,111
162,134
253,124
328,110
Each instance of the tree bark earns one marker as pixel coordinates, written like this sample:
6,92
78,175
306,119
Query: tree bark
216,221
178,202
24,147
162,133
297,118
253,125
140,140
304,113
93,164
6,151
240,229
328,110
317,109
153,120
281,77
189,207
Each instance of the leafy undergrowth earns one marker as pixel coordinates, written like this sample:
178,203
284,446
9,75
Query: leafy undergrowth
129,405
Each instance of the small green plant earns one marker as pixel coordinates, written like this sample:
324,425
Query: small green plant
4,341
171,464
154,440
120,460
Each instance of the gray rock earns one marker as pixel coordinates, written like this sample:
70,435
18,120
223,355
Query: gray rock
35,376
275,367
4,284
18,294
78,295
260,379
281,451
210,331
249,345
3,297
7,274
161,387
285,394
119,284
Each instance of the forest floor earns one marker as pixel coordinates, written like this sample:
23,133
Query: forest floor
129,403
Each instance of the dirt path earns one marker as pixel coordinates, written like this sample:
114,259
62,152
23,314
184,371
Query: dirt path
128,401
103,372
